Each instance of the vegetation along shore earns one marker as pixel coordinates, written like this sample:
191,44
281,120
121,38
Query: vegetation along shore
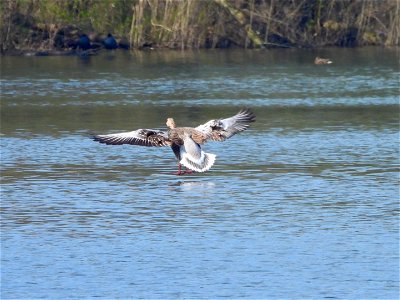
63,27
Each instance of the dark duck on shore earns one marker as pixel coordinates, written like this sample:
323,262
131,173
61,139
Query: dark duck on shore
185,141
83,42
110,42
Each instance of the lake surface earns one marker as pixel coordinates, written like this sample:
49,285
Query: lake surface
305,204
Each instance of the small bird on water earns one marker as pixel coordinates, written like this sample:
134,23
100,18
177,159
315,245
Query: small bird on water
322,61
185,141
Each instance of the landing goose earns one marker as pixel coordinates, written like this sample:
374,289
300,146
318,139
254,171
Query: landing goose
322,61
185,141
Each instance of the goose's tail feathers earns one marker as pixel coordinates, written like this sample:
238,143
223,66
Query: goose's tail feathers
202,164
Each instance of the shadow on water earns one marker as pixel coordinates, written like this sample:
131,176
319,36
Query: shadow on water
194,185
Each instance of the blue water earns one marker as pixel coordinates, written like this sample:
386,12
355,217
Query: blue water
304,204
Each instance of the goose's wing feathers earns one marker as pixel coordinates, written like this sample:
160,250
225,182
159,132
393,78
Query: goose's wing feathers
140,137
222,129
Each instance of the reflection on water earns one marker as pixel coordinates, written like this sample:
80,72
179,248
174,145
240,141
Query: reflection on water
302,205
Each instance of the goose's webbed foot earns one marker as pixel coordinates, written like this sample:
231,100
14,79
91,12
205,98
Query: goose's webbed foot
181,172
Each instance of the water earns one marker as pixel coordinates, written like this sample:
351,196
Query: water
302,205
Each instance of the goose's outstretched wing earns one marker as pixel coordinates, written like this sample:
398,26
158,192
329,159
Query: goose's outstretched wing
222,129
140,137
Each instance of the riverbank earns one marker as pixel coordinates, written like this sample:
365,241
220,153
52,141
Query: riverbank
55,27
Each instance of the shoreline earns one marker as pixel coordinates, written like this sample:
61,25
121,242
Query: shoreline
95,51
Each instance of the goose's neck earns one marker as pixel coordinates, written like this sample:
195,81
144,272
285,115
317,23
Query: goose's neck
171,123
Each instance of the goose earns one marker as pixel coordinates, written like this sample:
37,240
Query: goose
185,142
322,61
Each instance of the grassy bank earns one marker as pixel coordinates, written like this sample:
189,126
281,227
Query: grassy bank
55,24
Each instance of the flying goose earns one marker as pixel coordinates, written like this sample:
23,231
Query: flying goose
185,141
322,61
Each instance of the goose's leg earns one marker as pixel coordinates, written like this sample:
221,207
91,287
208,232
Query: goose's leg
179,170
